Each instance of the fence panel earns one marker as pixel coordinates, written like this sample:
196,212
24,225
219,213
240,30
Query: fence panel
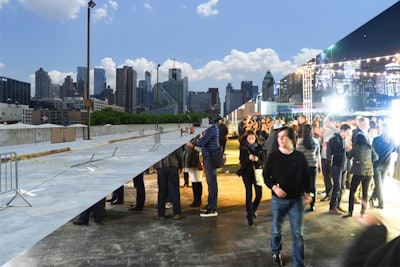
9,176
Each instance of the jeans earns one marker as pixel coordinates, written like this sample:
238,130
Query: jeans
313,172
365,180
97,209
326,171
380,172
251,206
338,186
168,185
138,183
295,209
211,177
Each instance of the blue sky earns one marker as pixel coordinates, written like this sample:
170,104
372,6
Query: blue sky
214,42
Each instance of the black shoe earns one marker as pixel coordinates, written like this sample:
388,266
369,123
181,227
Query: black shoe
135,208
110,200
347,215
79,223
312,208
326,198
99,223
277,259
195,204
177,216
117,202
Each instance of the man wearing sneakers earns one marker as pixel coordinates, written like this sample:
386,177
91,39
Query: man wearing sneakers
210,142
286,174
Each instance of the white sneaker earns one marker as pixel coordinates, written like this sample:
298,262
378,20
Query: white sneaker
168,205
209,213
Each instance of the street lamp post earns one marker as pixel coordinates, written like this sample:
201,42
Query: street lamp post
158,66
88,101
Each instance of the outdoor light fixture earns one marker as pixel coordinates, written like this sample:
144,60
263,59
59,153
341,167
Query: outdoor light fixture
91,4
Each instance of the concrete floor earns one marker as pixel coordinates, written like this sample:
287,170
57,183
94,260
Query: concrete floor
137,239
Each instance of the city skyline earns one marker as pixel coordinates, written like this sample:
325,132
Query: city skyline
213,42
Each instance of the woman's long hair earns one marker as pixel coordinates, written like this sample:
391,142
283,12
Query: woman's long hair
243,138
307,135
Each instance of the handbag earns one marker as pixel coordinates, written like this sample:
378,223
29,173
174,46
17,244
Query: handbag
258,174
218,157
396,171
200,166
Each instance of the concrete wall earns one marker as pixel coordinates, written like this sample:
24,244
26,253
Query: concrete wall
19,136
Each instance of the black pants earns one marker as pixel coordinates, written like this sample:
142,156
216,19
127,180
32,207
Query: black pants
138,183
364,180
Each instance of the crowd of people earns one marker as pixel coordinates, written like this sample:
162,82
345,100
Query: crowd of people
354,155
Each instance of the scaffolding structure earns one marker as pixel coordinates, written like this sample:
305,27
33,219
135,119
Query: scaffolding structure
307,90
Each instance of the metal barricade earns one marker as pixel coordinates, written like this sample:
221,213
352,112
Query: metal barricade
9,176
157,142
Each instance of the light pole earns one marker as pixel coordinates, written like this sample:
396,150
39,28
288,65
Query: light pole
88,101
158,66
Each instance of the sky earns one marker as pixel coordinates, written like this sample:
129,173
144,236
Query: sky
214,42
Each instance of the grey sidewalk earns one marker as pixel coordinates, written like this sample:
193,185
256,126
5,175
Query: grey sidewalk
137,239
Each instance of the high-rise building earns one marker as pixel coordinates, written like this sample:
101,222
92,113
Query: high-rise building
81,79
250,90
125,92
176,88
99,81
42,84
268,86
68,87
13,91
147,78
234,98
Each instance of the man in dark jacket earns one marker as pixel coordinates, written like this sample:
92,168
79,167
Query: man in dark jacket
338,148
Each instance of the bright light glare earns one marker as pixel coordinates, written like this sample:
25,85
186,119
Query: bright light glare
335,103
395,121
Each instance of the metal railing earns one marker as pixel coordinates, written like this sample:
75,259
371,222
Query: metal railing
9,176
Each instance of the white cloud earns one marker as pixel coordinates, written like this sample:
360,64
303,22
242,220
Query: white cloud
69,9
105,12
63,10
99,13
147,6
3,3
113,4
305,55
208,9
1,65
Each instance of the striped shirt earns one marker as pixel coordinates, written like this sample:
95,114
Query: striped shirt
209,140
312,155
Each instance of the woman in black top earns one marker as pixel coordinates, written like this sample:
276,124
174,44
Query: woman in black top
251,157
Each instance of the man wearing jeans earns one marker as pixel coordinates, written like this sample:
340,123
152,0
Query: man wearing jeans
210,142
338,147
286,174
